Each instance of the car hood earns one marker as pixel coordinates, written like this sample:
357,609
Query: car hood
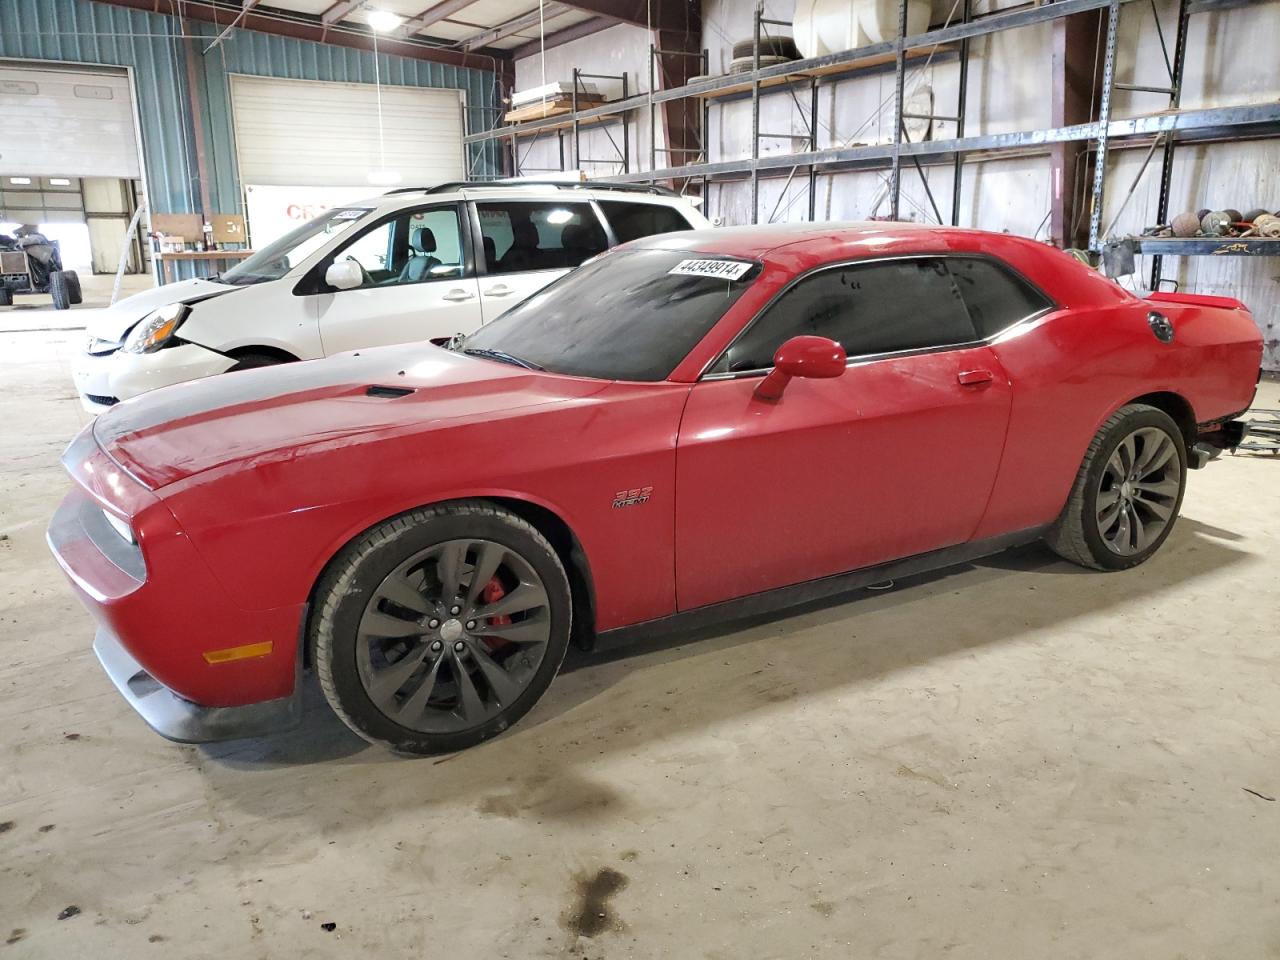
116,320
270,414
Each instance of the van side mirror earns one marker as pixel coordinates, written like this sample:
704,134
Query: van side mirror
344,275
815,357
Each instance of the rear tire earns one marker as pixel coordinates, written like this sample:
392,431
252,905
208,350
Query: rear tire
73,287
60,290
1127,493
407,655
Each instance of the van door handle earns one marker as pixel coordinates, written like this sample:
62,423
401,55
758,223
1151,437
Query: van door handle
458,296
499,290
974,378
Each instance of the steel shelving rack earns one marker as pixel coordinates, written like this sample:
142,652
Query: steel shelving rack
900,54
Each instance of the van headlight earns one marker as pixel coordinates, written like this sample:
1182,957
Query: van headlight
155,329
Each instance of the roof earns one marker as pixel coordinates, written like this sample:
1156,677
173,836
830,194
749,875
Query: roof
839,239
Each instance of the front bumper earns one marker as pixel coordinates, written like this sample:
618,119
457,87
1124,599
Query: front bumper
181,720
164,617
103,380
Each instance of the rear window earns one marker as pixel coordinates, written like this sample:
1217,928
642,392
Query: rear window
631,221
995,297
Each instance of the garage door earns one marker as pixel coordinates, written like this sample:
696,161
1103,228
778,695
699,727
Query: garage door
66,123
312,133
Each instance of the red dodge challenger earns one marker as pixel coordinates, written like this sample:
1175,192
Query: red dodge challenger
693,426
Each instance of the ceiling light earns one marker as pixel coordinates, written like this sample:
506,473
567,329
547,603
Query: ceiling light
384,21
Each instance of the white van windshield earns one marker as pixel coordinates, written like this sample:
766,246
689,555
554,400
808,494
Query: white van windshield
276,259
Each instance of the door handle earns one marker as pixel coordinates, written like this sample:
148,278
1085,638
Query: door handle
498,290
974,378
457,296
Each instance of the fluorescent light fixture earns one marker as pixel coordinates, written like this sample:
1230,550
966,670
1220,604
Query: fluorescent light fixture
20,180
384,178
384,21
59,182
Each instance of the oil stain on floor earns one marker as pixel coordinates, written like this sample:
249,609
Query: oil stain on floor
590,913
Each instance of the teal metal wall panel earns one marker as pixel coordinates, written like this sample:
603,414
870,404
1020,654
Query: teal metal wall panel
82,31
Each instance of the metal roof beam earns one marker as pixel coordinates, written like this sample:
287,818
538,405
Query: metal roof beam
523,22
441,11
336,12
579,30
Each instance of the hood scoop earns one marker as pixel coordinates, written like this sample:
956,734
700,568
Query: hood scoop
387,393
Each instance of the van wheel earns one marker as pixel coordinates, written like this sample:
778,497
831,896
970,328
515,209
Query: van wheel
1127,493
440,628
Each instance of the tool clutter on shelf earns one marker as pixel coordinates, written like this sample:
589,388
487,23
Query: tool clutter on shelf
1227,222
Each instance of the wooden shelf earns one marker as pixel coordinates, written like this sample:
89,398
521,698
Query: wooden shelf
563,124
835,69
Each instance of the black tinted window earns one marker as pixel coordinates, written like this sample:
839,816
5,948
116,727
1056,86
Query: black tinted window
996,298
521,235
624,317
633,220
867,309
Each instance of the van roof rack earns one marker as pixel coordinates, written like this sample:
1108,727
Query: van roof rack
652,189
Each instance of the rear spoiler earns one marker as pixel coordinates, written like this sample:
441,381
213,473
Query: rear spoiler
1197,300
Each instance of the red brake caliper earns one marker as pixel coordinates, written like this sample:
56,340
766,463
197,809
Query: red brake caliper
493,592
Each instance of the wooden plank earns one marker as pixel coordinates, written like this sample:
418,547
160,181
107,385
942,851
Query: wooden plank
853,66
551,108
562,125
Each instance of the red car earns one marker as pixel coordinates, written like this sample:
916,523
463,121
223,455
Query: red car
694,426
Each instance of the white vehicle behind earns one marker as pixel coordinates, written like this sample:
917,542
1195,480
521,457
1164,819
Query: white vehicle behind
410,265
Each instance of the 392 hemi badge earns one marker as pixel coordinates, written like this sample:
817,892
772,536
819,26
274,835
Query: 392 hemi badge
631,498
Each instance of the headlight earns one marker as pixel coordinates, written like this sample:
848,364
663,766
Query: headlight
155,329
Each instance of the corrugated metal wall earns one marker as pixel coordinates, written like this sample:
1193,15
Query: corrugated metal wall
82,31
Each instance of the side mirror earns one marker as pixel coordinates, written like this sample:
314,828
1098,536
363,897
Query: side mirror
344,275
815,357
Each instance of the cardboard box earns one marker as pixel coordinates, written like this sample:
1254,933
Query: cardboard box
188,226
228,228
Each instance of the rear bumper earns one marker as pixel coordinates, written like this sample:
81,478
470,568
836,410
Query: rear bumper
181,720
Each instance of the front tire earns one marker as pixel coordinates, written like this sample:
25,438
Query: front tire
60,290
440,628
1127,493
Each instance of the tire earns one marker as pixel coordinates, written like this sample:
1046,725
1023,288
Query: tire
784,47
251,361
393,579
6,296
73,287
1097,528
60,290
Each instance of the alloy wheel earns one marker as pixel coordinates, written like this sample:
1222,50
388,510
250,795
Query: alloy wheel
1138,491
453,635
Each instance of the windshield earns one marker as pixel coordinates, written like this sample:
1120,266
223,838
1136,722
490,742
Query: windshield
629,315
276,259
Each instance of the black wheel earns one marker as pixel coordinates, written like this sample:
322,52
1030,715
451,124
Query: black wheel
6,296
442,627
1127,494
60,290
251,361
73,286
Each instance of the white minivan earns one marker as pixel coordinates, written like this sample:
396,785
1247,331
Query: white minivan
413,264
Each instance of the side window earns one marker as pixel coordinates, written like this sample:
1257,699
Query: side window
521,235
867,309
630,221
996,298
415,247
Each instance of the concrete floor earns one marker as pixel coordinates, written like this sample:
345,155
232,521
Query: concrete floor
31,311
1016,759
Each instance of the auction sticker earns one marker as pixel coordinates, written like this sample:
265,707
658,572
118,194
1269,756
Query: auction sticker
720,269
